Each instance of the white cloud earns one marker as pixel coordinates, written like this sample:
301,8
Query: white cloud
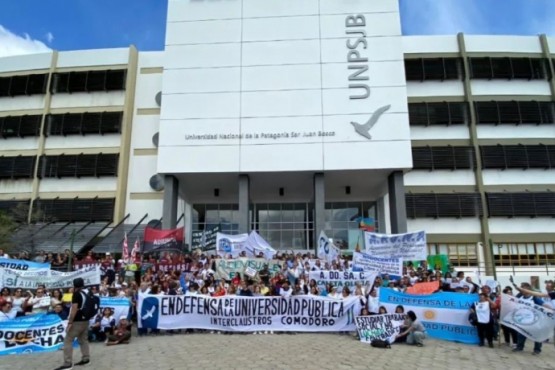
49,37
430,17
12,44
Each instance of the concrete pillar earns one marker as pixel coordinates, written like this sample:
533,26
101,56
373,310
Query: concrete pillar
169,213
243,220
319,206
397,204
382,217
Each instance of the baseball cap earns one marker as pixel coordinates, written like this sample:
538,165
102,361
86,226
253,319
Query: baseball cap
122,318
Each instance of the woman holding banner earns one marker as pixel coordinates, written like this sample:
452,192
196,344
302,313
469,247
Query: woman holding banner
484,309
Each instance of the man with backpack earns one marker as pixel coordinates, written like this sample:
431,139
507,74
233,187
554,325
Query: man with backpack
84,306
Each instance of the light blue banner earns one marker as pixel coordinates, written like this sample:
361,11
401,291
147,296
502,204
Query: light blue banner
23,265
30,334
444,315
120,306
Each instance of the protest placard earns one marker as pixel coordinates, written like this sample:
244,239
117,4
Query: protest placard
24,265
234,313
379,327
249,271
409,246
444,315
226,269
366,262
51,279
533,321
342,279
36,333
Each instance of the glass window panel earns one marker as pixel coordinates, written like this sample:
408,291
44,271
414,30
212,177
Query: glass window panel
548,248
212,216
540,248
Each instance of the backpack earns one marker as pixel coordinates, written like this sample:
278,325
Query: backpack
90,306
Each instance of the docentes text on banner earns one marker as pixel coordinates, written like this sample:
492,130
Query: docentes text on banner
379,327
228,313
341,279
533,321
444,315
36,333
380,265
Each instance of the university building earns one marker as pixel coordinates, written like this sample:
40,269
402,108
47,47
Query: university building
288,117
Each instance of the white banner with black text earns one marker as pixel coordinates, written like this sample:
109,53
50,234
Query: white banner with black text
341,279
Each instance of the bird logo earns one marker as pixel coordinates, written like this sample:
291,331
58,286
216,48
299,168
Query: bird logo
149,317
364,130
149,314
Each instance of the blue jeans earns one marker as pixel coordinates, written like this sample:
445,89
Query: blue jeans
521,339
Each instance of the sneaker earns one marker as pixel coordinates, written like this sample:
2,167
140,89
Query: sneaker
536,353
64,367
419,345
83,362
255,333
490,345
517,350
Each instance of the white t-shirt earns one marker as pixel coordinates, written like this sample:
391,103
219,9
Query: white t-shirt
285,293
483,312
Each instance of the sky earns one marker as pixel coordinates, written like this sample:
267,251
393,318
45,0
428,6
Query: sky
31,26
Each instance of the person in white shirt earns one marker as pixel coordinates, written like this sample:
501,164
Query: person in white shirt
3,254
285,291
7,312
40,303
373,302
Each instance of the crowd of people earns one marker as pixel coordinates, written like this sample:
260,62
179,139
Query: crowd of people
195,274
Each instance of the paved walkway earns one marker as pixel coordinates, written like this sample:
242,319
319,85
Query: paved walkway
302,351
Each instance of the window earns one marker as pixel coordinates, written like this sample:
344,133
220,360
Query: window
518,156
17,167
77,210
284,225
444,113
20,126
460,255
88,81
23,85
443,205
521,204
443,158
523,254
207,216
7,205
83,123
508,68
82,165
521,112
433,69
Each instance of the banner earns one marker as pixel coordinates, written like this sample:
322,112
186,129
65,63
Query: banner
409,246
255,244
444,315
379,327
230,244
156,240
533,321
23,265
120,307
50,278
205,239
233,313
28,334
439,260
326,250
77,265
423,288
170,266
226,269
342,279
365,262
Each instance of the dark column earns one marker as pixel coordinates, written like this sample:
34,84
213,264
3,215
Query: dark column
243,221
397,204
319,207
171,190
